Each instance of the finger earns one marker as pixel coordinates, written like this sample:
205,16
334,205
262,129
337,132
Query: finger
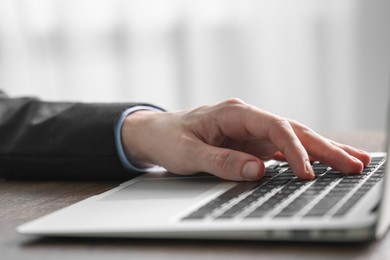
281,133
363,156
325,151
229,164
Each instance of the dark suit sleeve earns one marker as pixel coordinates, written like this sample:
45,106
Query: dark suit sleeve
58,139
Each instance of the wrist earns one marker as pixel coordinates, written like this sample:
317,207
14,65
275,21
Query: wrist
137,134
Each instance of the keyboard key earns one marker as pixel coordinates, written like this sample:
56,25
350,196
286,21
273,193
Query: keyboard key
280,196
244,196
357,195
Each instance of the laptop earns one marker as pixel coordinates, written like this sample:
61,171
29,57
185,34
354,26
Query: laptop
333,207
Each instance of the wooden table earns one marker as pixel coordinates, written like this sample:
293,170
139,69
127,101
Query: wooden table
22,200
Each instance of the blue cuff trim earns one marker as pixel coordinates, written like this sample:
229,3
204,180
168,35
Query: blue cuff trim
118,141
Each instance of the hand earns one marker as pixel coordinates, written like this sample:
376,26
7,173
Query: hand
231,140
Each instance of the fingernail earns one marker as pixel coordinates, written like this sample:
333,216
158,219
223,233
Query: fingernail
250,170
309,169
361,164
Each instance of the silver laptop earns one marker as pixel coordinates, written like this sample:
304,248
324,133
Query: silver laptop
333,207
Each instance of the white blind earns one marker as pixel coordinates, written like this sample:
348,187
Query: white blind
322,62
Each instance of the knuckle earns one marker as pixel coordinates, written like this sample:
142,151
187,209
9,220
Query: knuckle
282,129
295,123
302,131
282,123
306,131
234,101
233,105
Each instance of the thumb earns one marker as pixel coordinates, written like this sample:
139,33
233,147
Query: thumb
230,164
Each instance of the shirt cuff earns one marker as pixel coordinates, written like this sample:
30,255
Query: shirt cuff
126,162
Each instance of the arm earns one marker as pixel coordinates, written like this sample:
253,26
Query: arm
47,139
231,140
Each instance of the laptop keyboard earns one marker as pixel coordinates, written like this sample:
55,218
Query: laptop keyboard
280,194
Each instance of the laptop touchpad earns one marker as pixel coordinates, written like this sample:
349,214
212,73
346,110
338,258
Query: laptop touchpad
168,188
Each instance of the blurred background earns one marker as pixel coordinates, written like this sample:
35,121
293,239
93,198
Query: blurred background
322,62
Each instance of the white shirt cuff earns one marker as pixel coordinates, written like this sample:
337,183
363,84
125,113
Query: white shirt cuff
118,141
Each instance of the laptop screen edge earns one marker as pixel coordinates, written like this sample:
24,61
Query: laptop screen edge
384,208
